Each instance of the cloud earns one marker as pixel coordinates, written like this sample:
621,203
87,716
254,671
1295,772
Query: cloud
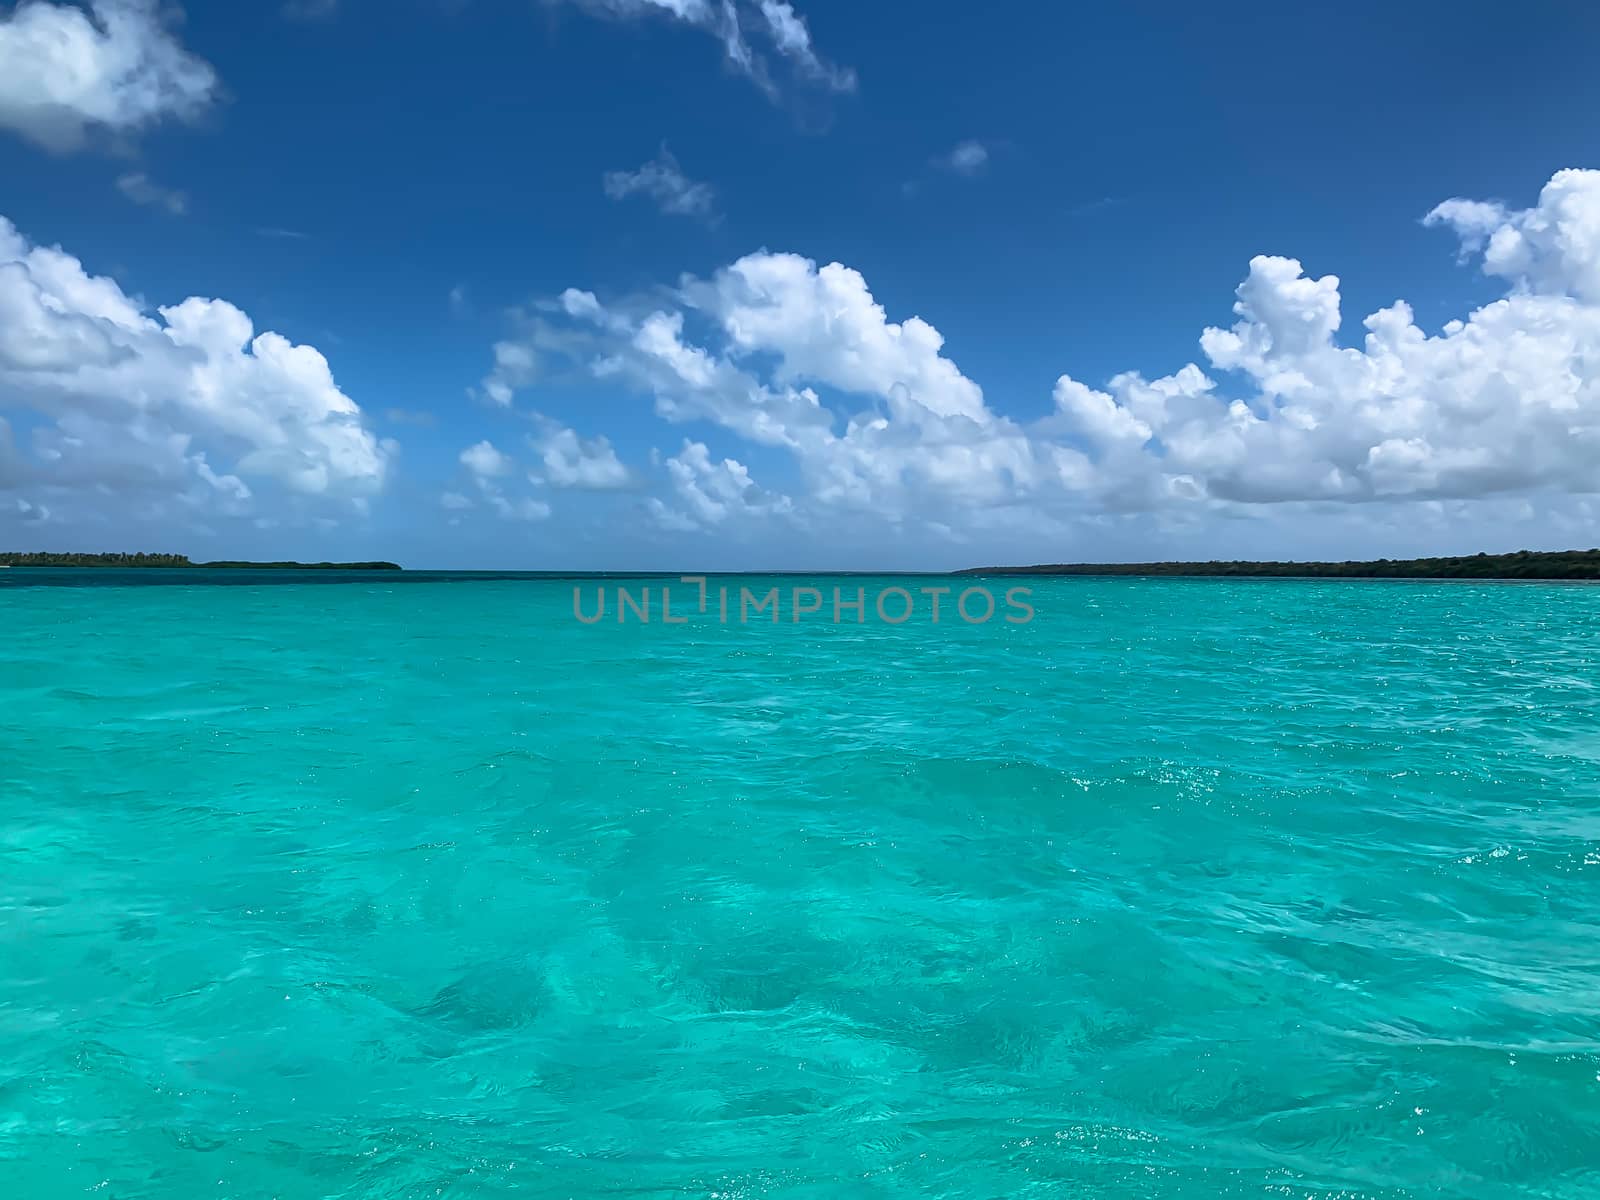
141,189
487,467
568,461
663,181
789,33
66,73
293,235
1278,414
187,401
732,23
919,444
409,416
485,462
712,493
29,513
1506,400
967,158
1551,249
525,509
825,326
514,368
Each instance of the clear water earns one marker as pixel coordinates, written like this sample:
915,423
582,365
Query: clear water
1183,889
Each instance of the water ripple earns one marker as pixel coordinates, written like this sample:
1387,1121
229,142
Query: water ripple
1187,888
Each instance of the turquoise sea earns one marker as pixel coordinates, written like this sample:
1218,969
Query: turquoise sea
317,888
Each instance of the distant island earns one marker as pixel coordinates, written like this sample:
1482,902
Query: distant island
1524,564
43,559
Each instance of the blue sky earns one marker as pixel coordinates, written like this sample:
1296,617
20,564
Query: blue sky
1065,194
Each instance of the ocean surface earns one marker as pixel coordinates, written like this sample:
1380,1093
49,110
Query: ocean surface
1181,889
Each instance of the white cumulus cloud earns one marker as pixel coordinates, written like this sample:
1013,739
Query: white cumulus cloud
712,492
1552,248
514,368
917,443
1282,410
568,461
1505,400
486,462
488,467
187,397
116,68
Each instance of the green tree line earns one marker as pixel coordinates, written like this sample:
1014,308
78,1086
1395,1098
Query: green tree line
40,558
1524,564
